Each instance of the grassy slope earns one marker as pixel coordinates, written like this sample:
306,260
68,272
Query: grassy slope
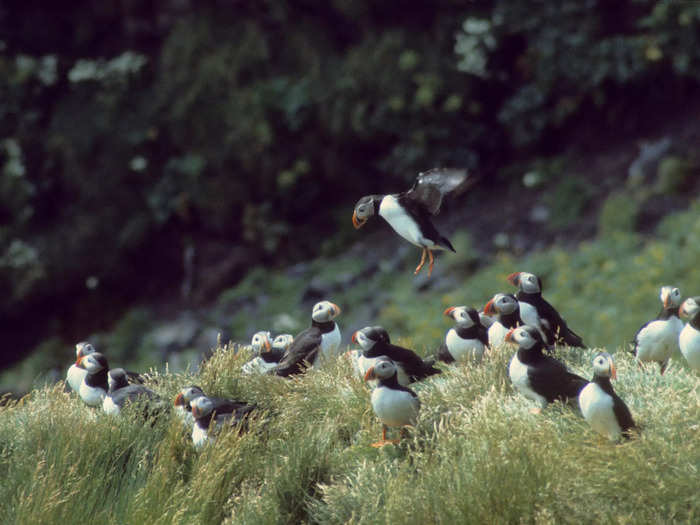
477,454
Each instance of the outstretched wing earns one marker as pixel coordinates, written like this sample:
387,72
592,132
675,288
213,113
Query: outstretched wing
431,186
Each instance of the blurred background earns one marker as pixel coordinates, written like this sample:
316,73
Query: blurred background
175,172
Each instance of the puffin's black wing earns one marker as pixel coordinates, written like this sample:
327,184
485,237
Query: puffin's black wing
431,186
412,364
273,355
558,324
551,379
304,348
226,406
444,355
134,378
483,335
623,415
132,393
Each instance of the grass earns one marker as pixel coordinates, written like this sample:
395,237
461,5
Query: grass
476,456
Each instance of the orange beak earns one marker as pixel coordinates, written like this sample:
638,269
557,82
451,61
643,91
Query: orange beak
667,300
179,400
448,312
514,278
613,371
357,223
489,309
267,345
354,338
79,362
509,335
195,411
370,374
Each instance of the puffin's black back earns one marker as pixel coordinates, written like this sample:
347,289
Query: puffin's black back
305,347
412,364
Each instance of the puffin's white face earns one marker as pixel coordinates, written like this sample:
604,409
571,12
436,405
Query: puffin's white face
93,363
325,311
283,341
501,303
361,339
529,283
83,348
670,296
522,337
202,407
603,365
364,209
462,315
383,369
191,392
261,341
690,307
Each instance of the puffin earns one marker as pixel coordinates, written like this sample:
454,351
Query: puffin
395,404
374,341
76,374
530,292
316,344
689,340
537,376
266,356
120,393
601,407
505,308
208,420
409,213
184,398
94,386
656,340
467,340
361,364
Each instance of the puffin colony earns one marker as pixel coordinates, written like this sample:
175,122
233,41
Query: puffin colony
523,324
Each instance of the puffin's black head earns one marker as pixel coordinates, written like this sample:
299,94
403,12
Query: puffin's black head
116,378
94,363
463,315
369,336
526,337
603,365
202,406
527,282
502,303
383,369
282,341
261,342
690,307
670,296
325,311
364,209
82,349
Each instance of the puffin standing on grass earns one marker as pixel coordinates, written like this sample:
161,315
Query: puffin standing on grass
530,292
184,398
656,340
316,344
689,340
467,340
95,385
505,308
374,341
121,392
409,213
76,373
394,404
266,355
209,421
537,376
604,410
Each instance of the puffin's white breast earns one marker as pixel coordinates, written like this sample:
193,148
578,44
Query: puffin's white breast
597,409
257,366
689,342
657,340
200,436
330,345
517,372
497,335
403,224
75,377
92,396
464,349
394,408
109,406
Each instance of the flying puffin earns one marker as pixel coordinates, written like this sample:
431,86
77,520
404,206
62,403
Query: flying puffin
409,213
530,292
656,339
121,392
537,376
374,341
208,420
604,410
505,308
266,355
689,340
76,374
467,340
94,386
394,404
184,398
316,344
